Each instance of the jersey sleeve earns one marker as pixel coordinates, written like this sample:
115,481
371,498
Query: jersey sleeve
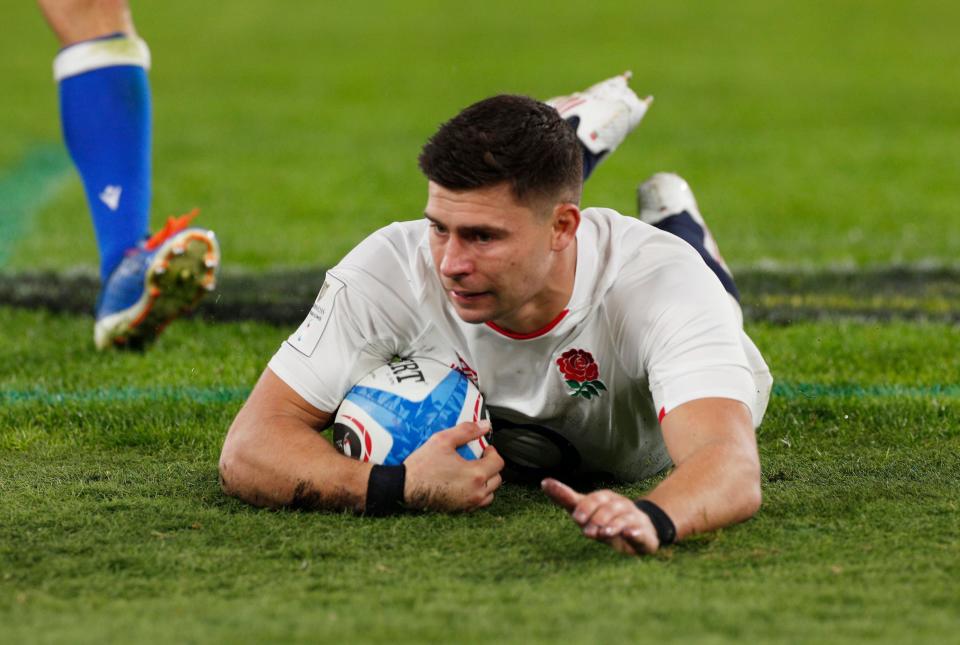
363,316
679,328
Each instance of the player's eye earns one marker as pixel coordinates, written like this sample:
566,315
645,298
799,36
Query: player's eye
438,228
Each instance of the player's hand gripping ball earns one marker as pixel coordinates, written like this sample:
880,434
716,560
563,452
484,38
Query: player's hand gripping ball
393,410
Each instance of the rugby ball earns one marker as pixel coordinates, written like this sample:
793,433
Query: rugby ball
393,410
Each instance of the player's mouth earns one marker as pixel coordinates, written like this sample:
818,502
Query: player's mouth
467,297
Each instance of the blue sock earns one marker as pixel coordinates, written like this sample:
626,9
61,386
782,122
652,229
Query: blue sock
106,116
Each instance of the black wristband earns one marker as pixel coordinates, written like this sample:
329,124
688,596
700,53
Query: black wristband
666,531
385,490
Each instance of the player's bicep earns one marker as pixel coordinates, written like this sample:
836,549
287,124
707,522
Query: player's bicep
272,419
271,411
708,423
274,452
273,397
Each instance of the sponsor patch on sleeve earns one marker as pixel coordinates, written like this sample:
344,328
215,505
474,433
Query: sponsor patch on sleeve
307,336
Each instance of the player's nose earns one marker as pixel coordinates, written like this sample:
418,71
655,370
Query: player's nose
456,259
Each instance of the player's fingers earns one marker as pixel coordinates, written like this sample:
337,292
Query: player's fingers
588,505
560,493
491,460
487,501
642,539
611,509
494,483
617,525
465,432
622,545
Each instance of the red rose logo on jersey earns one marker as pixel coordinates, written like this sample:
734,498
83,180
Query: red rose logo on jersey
581,373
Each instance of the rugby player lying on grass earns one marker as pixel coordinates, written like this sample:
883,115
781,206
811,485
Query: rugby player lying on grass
604,345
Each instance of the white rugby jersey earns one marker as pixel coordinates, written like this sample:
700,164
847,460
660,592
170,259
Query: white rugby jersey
648,327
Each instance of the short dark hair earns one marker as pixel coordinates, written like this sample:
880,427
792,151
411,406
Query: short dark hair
507,138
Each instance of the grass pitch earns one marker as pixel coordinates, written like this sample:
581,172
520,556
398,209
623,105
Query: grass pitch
814,135
113,526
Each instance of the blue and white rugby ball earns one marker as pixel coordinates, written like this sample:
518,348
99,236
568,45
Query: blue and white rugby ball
393,410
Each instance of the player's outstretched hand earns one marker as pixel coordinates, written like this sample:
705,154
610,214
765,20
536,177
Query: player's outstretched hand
439,479
607,517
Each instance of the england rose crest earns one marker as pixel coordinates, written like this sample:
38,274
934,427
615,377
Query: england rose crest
581,373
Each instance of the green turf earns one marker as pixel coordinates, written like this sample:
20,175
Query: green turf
812,132
113,527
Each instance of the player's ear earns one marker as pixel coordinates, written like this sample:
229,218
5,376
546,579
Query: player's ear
566,221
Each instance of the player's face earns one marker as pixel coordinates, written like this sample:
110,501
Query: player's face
500,260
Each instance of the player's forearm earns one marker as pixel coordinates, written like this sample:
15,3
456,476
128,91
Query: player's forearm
717,486
295,468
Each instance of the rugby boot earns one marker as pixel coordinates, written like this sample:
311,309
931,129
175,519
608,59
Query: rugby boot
162,278
603,114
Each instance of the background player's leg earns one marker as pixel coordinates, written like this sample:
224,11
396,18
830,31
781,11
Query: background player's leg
106,117
73,21
105,111
666,201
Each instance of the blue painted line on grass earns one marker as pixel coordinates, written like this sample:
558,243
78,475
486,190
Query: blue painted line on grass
125,394
25,189
790,391
818,390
